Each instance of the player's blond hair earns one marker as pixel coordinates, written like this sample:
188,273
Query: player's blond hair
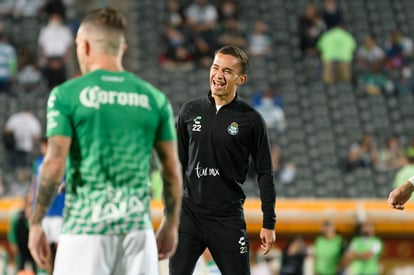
106,26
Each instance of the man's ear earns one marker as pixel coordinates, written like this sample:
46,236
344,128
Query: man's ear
124,47
242,79
86,47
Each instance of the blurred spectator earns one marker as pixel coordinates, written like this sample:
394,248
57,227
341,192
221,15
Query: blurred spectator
231,34
311,26
407,45
55,42
287,173
273,115
274,90
259,41
329,248
177,55
202,18
362,154
267,264
203,52
175,14
391,157
404,85
337,48
364,251
399,50
331,14
293,257
29,75
374,83
25,128
27,8
406,171
285,170
18,235
370,56
8,63
6,8
55,7
228,9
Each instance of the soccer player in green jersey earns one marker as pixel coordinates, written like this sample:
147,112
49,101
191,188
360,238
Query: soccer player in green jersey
101,128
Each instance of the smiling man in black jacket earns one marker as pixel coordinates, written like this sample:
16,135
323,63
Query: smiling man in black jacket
216,135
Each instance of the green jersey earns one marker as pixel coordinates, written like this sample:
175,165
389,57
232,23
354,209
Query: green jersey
328,253
366,244
113,120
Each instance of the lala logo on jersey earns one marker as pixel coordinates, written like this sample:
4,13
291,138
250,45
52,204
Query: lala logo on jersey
197,124
116,205
233,128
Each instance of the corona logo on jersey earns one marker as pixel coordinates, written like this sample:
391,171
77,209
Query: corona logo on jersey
94,97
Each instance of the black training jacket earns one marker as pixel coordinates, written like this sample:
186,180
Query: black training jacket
214,149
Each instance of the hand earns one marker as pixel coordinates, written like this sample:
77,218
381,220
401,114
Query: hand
39,246
167,239
268,237
399,196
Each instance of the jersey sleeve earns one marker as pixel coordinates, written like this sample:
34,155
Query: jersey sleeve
166,129
58,119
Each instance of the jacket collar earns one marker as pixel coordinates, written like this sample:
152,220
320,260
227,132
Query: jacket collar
211,99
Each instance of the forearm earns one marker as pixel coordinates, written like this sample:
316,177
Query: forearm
172,180
172,196
408,186
49,182
364,255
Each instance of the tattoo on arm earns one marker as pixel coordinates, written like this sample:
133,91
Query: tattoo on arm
169,199
172,182
45,195
50,176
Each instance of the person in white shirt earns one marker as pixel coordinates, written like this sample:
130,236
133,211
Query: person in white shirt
26,130
370,56
55,43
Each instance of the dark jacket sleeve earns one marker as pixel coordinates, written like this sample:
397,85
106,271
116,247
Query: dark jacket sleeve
183,140
263,164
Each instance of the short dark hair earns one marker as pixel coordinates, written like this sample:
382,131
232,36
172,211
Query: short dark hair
236,52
